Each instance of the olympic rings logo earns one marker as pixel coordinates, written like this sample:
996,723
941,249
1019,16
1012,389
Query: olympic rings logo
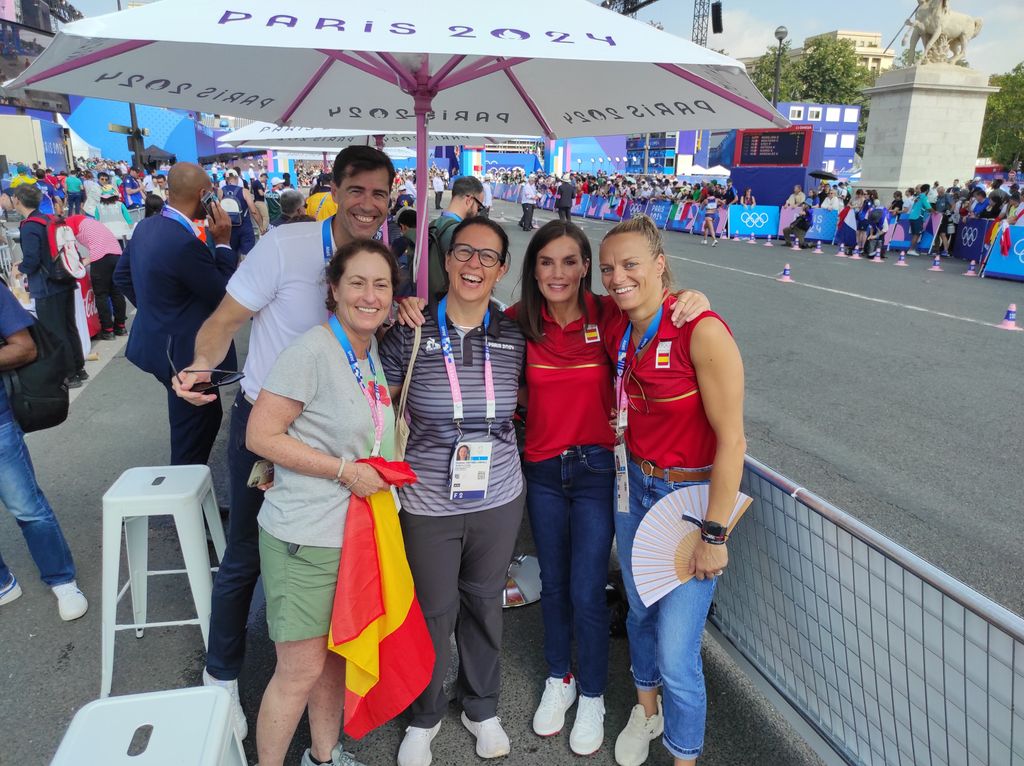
754,220
1018,249
969,237
637,209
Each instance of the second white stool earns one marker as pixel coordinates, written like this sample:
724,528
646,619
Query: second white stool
184,492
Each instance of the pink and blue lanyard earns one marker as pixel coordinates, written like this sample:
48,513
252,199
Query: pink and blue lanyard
620,366
453,375
372,392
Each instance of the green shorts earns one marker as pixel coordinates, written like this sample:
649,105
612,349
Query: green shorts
299,588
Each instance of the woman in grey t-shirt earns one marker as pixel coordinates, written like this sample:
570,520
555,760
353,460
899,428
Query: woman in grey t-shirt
322,407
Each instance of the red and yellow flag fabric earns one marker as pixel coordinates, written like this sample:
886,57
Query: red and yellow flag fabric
377,624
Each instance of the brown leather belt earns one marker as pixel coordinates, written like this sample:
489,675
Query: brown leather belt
669,474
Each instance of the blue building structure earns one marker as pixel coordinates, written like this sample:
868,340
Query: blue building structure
834,145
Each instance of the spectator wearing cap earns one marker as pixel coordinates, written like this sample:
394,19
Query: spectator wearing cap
528,197
321,205
273,199
241,213
437,184
111,210
566,196
488,196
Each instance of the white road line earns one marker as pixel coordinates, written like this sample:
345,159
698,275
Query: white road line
846,293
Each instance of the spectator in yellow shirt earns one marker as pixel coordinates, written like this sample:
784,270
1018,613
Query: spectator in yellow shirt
321,204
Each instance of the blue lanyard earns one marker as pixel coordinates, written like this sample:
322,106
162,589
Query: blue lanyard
325,232
620,365
453,375
174,215
373,399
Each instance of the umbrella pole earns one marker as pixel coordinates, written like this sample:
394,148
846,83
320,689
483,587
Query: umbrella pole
421,261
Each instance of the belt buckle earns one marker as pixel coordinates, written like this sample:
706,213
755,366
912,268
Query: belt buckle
648,468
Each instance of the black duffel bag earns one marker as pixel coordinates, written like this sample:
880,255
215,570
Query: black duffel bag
38,391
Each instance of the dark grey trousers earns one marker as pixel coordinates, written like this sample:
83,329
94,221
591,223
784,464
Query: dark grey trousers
459,565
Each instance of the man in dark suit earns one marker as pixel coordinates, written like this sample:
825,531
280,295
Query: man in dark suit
176,280
566,198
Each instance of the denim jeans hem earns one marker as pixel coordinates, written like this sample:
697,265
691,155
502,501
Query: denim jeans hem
682,753
645,686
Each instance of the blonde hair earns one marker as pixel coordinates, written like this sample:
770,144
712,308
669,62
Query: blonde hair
646,228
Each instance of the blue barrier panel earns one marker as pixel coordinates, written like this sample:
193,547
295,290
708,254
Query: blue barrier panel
611,212
658,210
1011,265
823,224
580,208
499,191
634,209
596,207
547,202
759,220
682,217
970,239
898,235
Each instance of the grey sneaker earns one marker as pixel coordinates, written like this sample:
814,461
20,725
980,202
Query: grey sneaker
10,590
339,757
634,742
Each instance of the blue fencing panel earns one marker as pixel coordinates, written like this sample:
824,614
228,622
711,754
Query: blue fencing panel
611,212
634,208
596,206
658,210
759,220
1011,265
823,224
580,208
970,239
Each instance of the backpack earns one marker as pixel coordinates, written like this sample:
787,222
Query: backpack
436,251
232,203
37,391
66,262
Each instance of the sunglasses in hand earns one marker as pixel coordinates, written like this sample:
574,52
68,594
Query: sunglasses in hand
217,379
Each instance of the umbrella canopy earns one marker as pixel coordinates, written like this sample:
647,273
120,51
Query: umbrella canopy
823,175
528,68
264,135
718,170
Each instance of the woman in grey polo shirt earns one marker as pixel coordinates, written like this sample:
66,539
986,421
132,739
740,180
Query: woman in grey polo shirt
323,406
460,519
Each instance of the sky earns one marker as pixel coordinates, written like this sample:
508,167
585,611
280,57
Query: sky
750,24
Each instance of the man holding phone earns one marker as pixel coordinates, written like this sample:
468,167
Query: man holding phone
176,280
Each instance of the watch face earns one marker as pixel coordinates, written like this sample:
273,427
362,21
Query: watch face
713,528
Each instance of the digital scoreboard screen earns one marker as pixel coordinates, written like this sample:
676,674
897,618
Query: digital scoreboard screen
773,147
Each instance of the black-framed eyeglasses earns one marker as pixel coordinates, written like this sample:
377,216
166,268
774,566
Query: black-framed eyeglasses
479,203
217,379
488,258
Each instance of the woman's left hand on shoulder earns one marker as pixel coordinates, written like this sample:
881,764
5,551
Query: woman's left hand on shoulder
708,560
690,304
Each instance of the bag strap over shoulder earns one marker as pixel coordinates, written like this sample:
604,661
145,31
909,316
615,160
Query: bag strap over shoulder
402,400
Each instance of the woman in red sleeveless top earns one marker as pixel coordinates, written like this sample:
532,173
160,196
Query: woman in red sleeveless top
679,403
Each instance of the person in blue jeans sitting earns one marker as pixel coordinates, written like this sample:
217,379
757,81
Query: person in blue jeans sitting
19,491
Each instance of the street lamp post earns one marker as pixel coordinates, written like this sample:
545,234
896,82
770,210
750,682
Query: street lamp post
780,34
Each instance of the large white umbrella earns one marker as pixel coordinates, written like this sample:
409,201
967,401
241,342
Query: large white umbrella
265,135
532,67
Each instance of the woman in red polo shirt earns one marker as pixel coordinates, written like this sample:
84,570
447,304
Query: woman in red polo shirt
679,405
569,468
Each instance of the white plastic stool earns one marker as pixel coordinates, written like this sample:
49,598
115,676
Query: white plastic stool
172,728
184,492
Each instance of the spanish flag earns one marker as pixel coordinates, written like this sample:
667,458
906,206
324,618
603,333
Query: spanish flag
377,624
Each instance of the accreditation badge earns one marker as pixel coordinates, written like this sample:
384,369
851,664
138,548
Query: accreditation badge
621,477
662,355
470,470
591,334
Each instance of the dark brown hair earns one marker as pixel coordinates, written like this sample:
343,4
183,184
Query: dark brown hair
532,300
336,267
359,159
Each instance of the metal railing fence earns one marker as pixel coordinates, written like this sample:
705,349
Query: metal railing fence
890,659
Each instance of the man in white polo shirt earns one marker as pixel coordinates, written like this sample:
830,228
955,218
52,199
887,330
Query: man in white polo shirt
281,286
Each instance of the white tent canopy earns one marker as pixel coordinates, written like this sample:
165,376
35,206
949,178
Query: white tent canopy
263,135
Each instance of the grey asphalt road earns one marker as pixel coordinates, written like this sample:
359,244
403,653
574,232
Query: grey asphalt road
885,390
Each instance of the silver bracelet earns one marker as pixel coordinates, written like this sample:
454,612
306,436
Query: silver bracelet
341,469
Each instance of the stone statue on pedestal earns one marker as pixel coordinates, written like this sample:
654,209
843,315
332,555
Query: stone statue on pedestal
944,33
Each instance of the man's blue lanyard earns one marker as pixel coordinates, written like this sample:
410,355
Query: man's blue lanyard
327,237
453,375
374,398
174,215
620,366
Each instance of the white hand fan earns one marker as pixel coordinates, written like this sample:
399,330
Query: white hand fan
666,538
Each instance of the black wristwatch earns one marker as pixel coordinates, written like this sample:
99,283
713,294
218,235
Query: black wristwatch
714,533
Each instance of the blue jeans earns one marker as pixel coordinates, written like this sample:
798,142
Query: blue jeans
236,579
664,638
21,495
571,500
74,203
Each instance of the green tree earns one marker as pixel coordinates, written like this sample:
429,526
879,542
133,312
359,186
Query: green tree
829,73
1002,136
762,73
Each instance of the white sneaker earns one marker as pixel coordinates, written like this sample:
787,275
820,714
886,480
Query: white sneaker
70,601
912,252
491,739
237,714
559,694
588,729
10,590
634,742
714,243
415,747
704,242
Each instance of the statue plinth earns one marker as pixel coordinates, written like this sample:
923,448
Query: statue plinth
925,125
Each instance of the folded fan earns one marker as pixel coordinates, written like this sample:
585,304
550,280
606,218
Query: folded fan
666,538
